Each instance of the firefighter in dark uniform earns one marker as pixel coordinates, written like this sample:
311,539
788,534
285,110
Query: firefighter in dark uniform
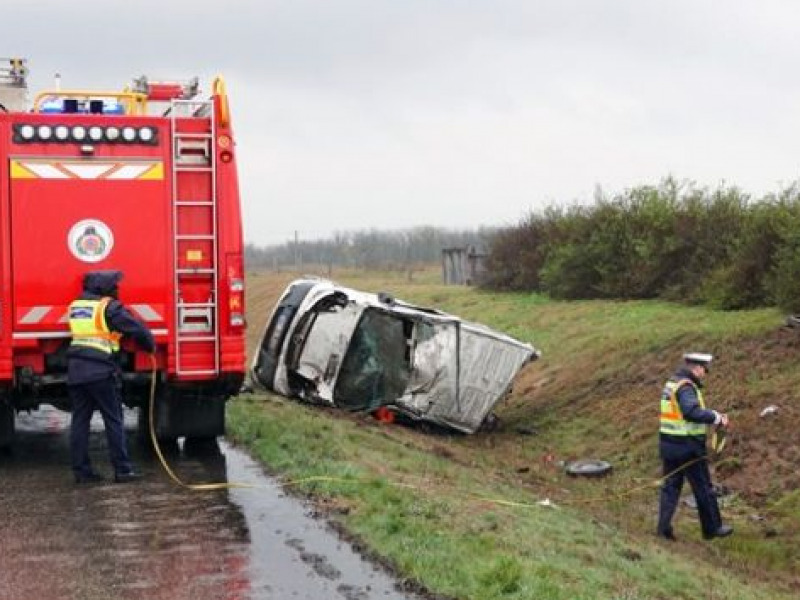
684,423
97,321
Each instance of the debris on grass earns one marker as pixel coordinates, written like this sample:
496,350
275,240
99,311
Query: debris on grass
588,467
769,410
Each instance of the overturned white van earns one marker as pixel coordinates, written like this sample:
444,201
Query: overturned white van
359,351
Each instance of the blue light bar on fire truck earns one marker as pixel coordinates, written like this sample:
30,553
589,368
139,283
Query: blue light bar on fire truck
76,105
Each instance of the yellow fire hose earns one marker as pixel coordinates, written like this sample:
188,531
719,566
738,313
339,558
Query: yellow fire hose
157,448
718,440
203,487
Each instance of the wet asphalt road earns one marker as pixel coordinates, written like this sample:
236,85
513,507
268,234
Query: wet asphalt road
152,539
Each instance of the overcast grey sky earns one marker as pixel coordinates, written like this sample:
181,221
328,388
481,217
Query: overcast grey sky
356,114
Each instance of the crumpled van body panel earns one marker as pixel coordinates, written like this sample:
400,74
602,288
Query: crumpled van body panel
359,351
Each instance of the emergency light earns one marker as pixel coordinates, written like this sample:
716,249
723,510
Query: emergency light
78,133
73,105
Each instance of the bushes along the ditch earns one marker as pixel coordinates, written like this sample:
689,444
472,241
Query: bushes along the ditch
673,241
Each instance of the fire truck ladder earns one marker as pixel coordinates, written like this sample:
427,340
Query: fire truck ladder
194,218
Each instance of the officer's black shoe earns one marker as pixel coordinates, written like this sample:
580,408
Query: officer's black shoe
89,478
667,535
723,531
127,477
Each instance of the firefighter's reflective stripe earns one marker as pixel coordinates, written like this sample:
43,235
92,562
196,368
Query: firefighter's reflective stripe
65,169
87,322
672,421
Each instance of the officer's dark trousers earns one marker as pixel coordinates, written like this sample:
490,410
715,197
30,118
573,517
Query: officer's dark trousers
86,398
700,479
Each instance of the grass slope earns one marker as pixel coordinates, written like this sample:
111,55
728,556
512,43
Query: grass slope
463,514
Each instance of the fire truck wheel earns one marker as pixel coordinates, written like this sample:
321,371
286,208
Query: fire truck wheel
168,444
6,426
190,417
201,446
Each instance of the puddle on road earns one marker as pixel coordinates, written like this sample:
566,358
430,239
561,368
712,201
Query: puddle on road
154,539
281,529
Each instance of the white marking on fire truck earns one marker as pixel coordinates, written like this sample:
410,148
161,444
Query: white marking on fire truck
38,169
147,312
90,240
129,171
33,335
91,171
35,315
44,171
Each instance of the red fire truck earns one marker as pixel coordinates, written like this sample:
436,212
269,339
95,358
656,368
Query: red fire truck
144,181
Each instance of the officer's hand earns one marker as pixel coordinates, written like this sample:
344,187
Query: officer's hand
724,421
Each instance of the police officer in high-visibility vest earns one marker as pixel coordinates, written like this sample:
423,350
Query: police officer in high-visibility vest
97,321
684,423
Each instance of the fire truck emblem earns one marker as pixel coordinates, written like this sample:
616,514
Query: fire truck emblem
90,240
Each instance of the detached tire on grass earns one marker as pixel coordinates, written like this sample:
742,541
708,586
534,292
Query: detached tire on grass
588,467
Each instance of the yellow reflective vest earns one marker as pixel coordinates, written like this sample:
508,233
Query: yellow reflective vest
87,322
672,421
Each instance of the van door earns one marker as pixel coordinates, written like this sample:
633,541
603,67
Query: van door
433,391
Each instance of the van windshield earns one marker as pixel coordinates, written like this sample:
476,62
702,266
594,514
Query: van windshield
375,370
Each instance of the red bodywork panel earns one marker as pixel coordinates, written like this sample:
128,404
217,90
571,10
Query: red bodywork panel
65,211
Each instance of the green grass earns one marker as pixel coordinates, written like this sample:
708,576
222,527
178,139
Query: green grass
445,526
460,513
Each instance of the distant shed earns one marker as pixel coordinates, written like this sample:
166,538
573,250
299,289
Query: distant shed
463,266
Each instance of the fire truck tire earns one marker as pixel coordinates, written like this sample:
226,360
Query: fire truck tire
176,416
166,443
7,425
201,446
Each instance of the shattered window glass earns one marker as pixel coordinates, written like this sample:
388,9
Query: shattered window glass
375,370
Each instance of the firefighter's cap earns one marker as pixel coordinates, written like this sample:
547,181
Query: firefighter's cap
699,358
102,282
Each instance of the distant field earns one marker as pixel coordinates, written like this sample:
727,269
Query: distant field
461,513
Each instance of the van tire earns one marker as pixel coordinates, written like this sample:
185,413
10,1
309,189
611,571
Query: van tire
588,467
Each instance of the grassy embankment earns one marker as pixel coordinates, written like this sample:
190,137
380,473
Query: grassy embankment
462,514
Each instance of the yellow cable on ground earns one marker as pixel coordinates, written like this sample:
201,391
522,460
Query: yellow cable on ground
717,444
209,486
157,447
654,483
